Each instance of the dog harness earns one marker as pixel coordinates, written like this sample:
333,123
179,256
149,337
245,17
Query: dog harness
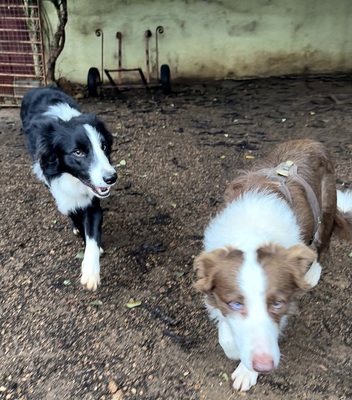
288,171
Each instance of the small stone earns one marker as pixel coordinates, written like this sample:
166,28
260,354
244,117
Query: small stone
112,387
118,395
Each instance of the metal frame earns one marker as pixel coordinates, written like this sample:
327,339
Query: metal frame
145,77
22,58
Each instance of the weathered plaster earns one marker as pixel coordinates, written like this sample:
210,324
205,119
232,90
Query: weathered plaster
211,39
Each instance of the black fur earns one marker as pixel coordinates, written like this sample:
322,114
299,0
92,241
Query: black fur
61,146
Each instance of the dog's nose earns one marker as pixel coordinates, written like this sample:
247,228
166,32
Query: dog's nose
262,363
110,179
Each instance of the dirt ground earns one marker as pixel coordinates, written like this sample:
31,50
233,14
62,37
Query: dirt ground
59,341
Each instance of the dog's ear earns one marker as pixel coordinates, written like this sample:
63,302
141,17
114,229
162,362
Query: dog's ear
205,266
306,273
46,153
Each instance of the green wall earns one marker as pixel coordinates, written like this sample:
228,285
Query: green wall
210,39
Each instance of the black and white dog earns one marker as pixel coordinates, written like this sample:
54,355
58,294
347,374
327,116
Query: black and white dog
70,150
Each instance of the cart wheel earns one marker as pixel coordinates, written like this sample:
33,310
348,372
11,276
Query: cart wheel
93,81
165,79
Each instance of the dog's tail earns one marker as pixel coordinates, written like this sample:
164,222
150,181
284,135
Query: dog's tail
343,217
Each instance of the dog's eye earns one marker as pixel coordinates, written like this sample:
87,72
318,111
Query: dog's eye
277,305
78,153
236,306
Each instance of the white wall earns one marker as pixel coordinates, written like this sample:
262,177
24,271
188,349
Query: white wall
211,38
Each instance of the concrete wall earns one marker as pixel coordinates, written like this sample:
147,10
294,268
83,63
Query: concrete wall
213,39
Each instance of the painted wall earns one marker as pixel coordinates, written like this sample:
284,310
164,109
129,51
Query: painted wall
210,39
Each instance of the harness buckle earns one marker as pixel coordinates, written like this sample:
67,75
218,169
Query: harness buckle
284,168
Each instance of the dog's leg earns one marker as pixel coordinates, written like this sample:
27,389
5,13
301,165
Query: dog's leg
77,223
92,220
226,340
312,276
243,378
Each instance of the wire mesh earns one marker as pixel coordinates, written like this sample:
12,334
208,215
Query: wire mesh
21,49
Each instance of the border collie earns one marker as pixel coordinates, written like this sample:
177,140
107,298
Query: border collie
70,150
262,251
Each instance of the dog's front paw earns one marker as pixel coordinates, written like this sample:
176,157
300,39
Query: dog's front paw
90,275
243,378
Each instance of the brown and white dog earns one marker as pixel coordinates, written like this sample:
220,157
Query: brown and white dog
262,251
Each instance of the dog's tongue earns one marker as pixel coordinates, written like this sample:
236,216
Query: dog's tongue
103,191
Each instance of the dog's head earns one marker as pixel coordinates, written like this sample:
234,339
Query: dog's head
254,292
80,147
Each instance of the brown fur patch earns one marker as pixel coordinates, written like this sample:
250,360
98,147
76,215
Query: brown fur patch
285,270
217,276
315,166
343,225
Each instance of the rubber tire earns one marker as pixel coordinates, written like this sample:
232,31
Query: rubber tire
165,79
93,82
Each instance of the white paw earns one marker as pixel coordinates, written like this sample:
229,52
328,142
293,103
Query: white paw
243,378
313,274
90,265
90,276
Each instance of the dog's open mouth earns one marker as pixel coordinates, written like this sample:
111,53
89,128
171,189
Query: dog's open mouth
99,191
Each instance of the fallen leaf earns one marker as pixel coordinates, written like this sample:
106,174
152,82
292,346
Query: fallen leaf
224,376
80,254
96,303
134,303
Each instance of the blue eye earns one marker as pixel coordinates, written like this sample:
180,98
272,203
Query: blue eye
277,304
236,306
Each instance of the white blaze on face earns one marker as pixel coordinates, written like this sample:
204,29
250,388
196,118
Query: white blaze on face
100,166
62,111
255,333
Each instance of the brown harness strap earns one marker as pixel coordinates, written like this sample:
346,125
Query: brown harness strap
288,170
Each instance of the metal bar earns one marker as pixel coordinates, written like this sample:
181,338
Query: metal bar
14,86
147,36
18,64
145,82
14,53
158,30
20,18
119,56
99,33
22,42
18,75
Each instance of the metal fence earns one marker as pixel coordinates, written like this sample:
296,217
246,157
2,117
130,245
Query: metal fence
22,63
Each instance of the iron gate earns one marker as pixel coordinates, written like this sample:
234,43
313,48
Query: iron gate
22,63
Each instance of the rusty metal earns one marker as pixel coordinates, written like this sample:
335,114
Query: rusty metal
147,35
22,59
114,76
99,32
119,85
119,57
158,30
